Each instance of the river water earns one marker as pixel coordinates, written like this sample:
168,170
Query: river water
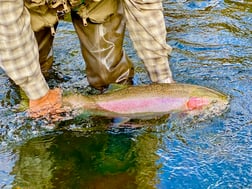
212,46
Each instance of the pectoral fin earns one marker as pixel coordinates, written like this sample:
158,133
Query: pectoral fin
119,121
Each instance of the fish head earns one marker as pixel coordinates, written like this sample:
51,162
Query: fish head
212,101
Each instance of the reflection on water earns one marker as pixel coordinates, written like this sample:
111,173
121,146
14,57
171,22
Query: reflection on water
98,160
212,46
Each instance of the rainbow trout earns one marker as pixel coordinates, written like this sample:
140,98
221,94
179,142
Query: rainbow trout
149,101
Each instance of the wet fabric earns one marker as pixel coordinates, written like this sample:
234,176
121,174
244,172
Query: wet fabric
101,39
18,49
101,26
46,13
45,43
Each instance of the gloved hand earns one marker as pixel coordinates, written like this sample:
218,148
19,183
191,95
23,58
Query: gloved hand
48,105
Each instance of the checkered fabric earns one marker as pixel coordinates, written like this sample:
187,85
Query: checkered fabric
18,49
146,26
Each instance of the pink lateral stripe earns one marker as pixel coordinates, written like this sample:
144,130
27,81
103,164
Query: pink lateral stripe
154,104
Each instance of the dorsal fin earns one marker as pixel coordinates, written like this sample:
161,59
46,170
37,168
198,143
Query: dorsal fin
115,87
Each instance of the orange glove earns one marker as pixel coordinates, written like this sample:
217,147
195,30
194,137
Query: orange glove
48,105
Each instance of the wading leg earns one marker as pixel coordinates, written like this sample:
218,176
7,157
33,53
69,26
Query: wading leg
101,46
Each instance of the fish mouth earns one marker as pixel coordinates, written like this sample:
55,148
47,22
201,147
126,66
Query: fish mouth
212,101
217,107
208,107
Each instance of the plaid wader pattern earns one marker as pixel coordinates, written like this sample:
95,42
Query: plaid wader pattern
146,26
19,50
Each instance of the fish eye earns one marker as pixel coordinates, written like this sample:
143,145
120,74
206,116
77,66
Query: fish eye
214,101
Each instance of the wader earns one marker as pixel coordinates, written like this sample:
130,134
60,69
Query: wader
100,27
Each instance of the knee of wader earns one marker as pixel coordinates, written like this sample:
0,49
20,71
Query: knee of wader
104,79
46,65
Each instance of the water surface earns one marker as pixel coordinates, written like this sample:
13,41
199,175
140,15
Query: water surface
212,46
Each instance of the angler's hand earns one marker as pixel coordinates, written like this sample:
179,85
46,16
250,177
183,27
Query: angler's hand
49,105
